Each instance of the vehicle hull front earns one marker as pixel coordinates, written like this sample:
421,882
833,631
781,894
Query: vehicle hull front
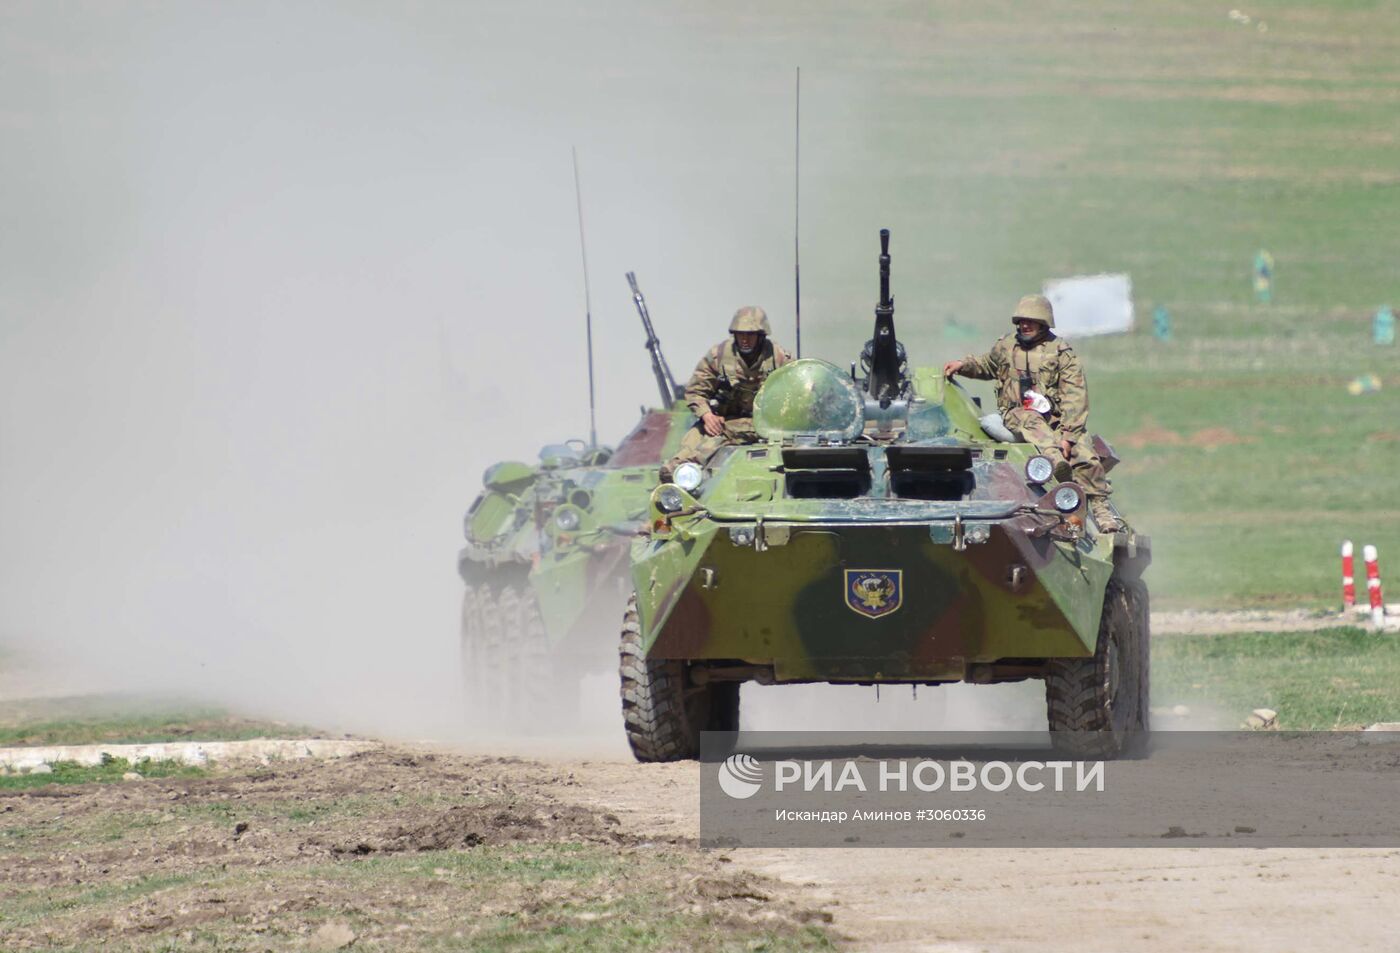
579,589
788,602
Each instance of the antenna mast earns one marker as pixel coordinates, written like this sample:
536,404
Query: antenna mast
796,206
587,308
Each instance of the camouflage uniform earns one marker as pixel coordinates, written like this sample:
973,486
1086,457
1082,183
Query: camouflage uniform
1055,371
725,377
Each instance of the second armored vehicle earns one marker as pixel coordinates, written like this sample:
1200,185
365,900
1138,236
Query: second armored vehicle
545,560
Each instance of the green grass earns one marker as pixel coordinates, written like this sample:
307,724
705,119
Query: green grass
1006,144
112,769
1337,678
120,719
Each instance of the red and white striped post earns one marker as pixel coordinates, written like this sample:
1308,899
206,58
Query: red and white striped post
1373,585
1348,579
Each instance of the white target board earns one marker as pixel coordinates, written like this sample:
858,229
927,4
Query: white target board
1091,304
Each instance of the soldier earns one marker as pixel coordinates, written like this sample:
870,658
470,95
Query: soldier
1043,399
722,389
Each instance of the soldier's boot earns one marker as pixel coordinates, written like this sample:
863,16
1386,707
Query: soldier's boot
1104,518
1059,463
695,448
1064,471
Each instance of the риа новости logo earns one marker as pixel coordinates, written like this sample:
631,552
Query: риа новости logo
740,776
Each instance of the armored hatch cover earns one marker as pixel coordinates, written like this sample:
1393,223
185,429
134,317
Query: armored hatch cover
809,398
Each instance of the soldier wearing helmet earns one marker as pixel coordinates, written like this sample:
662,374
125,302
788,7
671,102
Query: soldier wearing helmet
722,389
1043,399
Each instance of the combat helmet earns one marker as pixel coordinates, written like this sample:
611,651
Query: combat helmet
1034,308
750,318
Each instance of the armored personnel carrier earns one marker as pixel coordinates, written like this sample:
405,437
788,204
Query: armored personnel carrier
545,559
885,531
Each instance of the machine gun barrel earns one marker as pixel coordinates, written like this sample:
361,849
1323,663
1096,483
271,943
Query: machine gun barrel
665,381
884,383
886,302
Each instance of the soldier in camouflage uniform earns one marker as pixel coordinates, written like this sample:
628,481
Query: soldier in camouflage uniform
1043,399
723,387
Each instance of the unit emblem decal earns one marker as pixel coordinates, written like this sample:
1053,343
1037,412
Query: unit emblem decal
874,592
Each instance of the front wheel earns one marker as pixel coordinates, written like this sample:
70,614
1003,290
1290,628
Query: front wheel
662,713
505,659
1099,707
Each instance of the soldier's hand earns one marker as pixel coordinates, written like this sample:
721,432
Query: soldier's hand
1065,447
713,424
951,368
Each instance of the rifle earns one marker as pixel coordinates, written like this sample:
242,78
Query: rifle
665,382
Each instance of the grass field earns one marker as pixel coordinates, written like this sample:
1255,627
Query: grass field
384,851
1009,144
123,719
110,771
1316,681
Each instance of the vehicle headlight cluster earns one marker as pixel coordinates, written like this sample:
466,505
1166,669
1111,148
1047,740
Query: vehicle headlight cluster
566,518
1067,497
669,499
1039,470
688,476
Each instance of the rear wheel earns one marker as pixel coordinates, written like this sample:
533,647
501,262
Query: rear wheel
1099,707
662,713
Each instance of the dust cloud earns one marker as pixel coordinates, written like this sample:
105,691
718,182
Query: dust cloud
280,281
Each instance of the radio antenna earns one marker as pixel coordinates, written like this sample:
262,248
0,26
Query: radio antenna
796,207
587,308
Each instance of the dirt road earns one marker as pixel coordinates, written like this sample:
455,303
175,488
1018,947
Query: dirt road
1043,899
401,848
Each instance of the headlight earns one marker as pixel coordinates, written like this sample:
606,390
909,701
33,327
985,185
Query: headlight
741,535
1039,470
566,518
1068,497
669,500
688,476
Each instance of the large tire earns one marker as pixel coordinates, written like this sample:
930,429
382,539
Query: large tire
662,714
471,648
1099,707
505,659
